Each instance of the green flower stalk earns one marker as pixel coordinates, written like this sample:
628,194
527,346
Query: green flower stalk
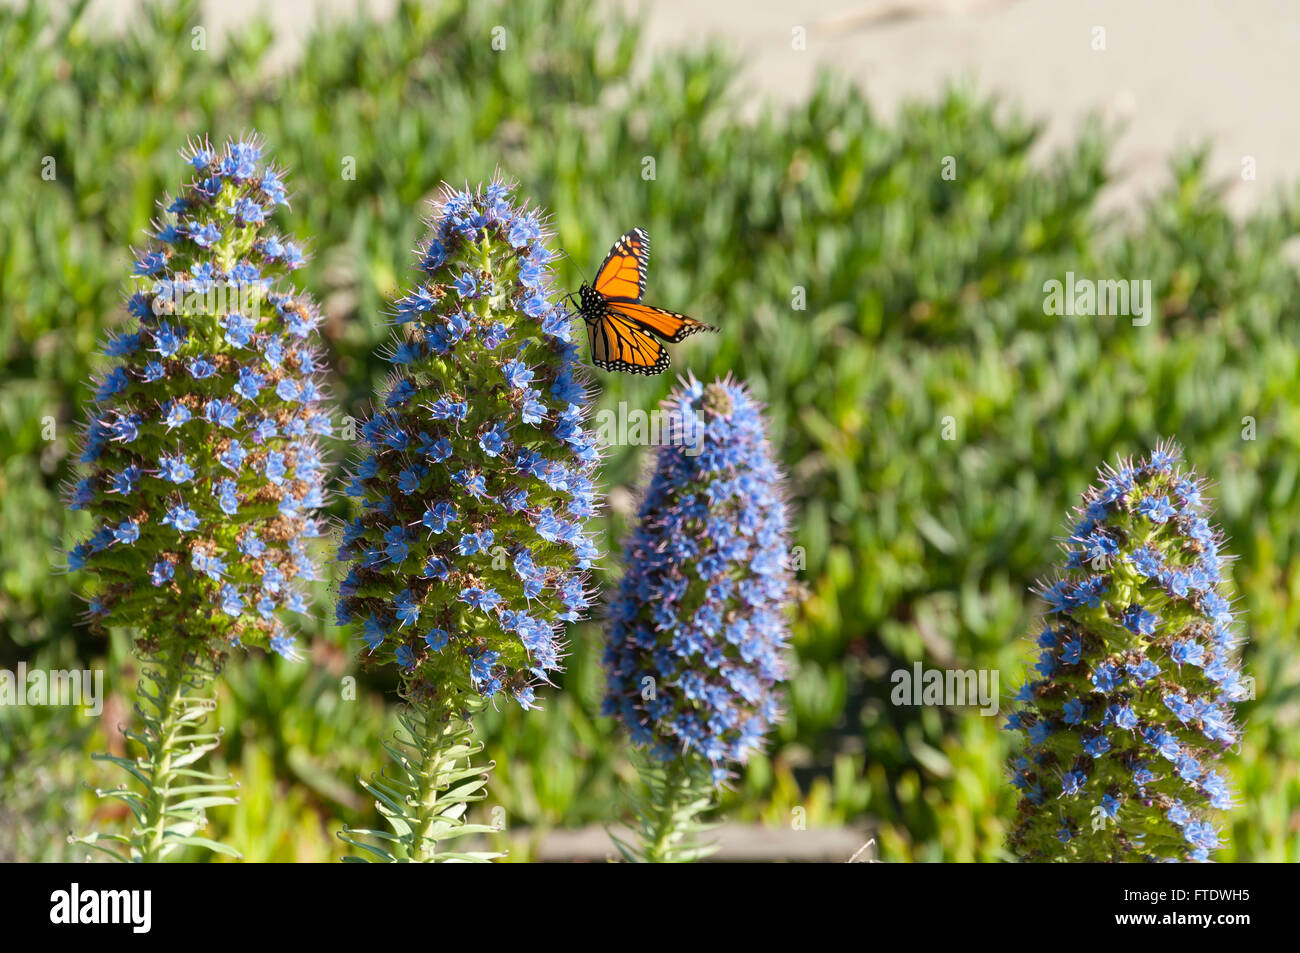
203,474
470,553
697,638
1138,675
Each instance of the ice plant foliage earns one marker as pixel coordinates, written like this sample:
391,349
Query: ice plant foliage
470,551
1132,705
202,470
698,635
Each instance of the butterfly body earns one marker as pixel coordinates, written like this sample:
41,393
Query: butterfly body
626,334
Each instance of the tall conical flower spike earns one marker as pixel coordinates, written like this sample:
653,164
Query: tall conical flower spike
698,634
1137,675
471,551
203,474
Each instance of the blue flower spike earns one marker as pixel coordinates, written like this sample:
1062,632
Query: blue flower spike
1139,673
697,637
202,467
470,552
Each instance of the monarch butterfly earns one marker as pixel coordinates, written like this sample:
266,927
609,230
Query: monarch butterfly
622,329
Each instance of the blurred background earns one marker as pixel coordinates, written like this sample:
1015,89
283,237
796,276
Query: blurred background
798,158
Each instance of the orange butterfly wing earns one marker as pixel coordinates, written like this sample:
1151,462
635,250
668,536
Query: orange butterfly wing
622,275
619,345
668,325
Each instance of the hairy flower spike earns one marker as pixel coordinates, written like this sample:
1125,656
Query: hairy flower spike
1138,673
471,550
697,636
204,477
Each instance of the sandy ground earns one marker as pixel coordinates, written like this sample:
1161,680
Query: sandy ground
1177,72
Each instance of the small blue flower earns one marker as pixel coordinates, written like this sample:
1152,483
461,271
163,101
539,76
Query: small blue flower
272,186
1107,677
162,572
249,212
232,602
405,607
182,518
176,469
1110,806
239,330
205,235
1139,621
1096,746
127,532
466,285
1072,783
480,598
1123,717
1099,548
1157,509
1146,561
150,263
1188,652
1143,671
517,374
175,414
494,441
221,413
116,382
227,497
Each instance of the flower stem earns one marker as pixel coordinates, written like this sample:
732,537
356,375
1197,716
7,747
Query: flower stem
171,793
437,749
171,696
666,833
677,794
426,791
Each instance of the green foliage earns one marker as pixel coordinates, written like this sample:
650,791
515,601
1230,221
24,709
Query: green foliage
174,793
924,301
667,812
425,800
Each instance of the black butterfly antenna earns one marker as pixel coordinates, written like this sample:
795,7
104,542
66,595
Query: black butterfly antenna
572,297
